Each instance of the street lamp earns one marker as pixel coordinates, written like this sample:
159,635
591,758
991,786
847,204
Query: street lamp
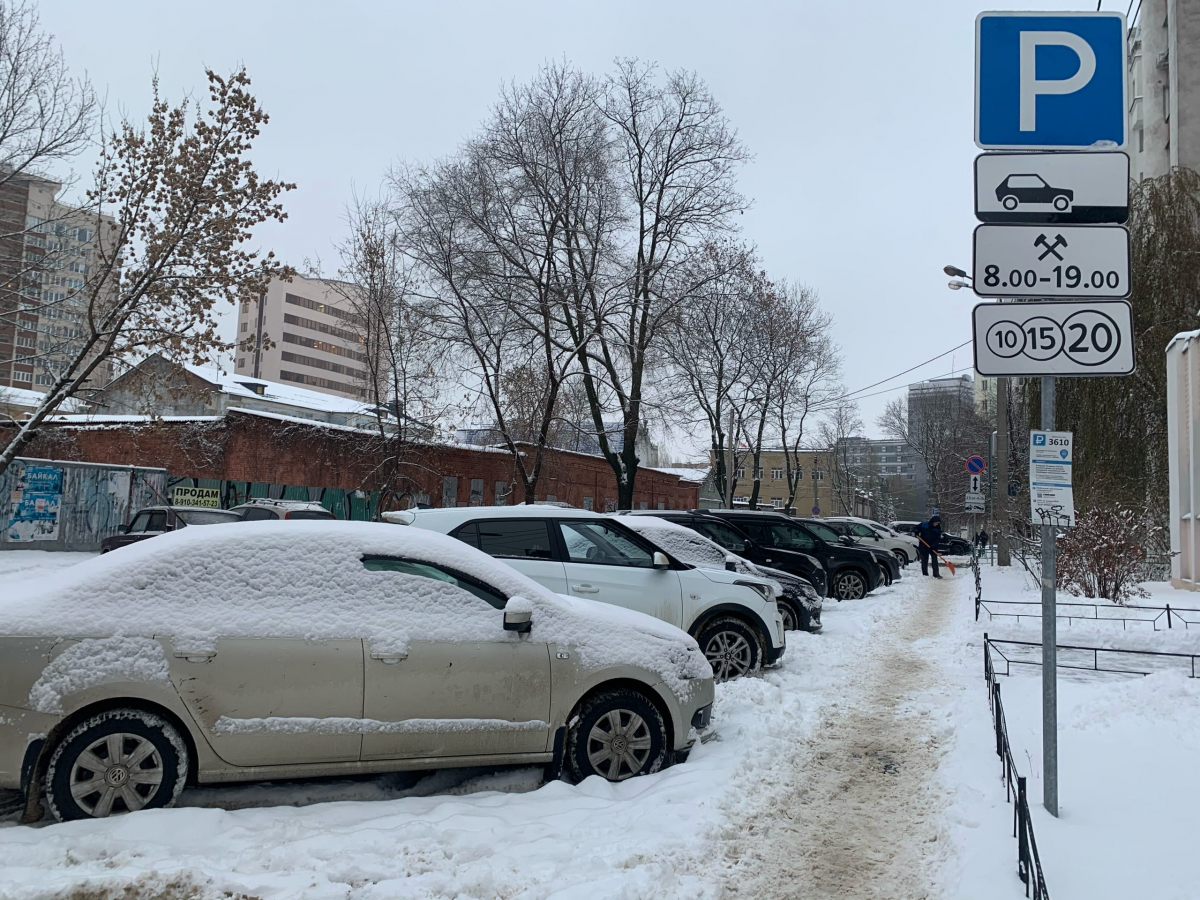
954,271
961,278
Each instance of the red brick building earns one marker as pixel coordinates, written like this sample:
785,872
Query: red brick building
251,454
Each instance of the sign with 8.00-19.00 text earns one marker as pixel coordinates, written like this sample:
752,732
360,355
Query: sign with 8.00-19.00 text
1063,261
1050,494
1054,338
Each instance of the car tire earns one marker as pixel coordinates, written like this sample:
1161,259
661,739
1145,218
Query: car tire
616,734
732,647
885,575
149,772
901,557
1010,202
849,584
1061,203
793,616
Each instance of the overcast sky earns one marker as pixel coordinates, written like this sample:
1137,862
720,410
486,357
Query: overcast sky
859,116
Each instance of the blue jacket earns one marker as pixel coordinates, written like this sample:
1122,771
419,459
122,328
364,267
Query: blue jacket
931,534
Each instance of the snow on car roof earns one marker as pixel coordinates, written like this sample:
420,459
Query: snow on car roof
306,580
687,545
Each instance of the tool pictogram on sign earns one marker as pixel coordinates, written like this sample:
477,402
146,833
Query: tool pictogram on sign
1059,241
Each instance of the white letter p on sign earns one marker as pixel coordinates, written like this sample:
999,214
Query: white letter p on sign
1031,87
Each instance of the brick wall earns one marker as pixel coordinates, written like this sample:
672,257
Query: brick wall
253,448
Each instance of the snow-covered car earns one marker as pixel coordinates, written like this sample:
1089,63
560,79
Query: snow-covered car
295,650
799,603
733,616
866,531
263,509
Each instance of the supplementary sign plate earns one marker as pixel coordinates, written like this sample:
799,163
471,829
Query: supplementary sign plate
1052,188
1062,261
1054,338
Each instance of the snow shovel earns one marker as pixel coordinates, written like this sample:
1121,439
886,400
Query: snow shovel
949,565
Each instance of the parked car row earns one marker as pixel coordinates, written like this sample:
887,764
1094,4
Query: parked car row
950,545
152,521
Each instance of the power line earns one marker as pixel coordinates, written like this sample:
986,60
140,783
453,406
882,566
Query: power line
898,374
900,387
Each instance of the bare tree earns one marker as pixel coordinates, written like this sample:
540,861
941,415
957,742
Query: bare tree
173,204
676,157
509,231
847,475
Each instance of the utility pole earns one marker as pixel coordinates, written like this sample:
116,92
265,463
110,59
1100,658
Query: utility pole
1049,636
732,462
1000,505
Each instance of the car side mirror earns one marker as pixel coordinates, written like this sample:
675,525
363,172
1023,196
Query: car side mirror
660,560
125,528
731,563
845,539
518,615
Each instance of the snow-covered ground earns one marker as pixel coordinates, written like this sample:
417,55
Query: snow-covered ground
863,767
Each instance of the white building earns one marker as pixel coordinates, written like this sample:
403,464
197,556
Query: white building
1164,88
312,335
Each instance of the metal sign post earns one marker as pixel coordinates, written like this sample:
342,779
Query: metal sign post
1049,635
1054,81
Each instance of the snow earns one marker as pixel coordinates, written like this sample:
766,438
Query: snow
273,578
93,662
863,766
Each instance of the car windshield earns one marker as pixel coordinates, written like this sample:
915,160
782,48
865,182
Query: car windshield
206,516
149,520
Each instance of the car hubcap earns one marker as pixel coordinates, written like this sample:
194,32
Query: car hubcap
619,744
848,587
730,655
118,773
789,618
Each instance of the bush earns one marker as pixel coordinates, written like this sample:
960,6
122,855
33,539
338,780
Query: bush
1102,555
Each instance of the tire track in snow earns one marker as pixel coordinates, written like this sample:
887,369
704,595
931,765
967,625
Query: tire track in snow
855,816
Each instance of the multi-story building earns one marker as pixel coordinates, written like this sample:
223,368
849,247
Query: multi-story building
984,395
47,256
888,468
305,332
814,491
1164,88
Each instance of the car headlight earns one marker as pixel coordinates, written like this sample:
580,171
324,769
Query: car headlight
764,590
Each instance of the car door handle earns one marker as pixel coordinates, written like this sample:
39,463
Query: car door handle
389,659
585,588
195,656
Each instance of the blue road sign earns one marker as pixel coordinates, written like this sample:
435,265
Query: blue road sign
975,464
1046,81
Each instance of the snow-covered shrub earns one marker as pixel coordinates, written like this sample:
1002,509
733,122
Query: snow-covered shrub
1103,555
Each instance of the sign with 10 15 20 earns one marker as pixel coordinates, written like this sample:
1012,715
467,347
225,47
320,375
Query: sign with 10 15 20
1054,338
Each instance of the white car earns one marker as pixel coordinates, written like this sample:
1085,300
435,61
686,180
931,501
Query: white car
874,534
733,616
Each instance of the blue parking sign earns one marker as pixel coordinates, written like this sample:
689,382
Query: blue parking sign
1049,81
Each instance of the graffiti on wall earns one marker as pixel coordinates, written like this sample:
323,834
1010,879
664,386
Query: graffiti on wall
34,503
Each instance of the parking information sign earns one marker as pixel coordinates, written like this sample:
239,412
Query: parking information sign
1050,493
1052,188
1049,81
1054,338
1067,261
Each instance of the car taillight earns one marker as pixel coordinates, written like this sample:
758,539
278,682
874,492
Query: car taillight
287,515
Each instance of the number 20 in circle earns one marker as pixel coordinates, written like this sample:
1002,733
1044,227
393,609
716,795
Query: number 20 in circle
1092,337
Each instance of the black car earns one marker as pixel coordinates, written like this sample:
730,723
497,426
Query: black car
949,545
1017,189
737,542
853,571
827,532
152,521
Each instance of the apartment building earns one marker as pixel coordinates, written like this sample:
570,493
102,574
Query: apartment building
984,395
46,257
1164,88
303,332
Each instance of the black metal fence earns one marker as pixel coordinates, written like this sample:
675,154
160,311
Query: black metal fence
1157,617
1073,656
1029,863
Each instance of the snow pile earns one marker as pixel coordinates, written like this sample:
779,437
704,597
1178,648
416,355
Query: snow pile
307,580
98,661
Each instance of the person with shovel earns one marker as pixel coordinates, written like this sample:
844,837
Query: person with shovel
929,538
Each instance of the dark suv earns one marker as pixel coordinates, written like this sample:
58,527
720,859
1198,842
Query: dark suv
740,544
826,532
853,571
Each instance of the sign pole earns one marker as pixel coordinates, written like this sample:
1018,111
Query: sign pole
1049,636
1000,505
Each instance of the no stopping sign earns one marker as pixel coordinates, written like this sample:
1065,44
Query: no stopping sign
1054,338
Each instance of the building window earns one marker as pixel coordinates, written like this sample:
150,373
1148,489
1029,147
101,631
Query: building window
777,502
245,306
758,474
43,378
477,492
818,475
245,327
777,474
241,363
323,346
741,473
450,491
320,307
22,376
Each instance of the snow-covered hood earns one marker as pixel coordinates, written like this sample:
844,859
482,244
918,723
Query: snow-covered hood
307,580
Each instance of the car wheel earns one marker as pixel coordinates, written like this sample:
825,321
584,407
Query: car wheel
793,618
617,734
1061,203
1009,202
731,646
118,761
901,557
885,575
849,585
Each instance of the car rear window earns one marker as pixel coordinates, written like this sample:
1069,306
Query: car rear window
309,514
509,538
